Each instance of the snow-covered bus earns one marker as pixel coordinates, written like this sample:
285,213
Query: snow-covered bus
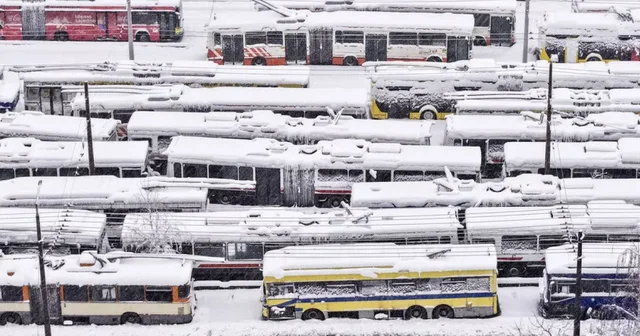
33,124
93,288
9,90
593,159
380,281
338,38
30,157
105,20
427,91
43,84
320,174
64,231
242,237
609,285
158,127
491,132
120,102
494,20
588,37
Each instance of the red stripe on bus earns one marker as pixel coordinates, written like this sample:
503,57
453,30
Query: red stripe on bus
511,258
329,191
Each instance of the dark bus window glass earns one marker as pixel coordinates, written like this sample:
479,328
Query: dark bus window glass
7,174
378,175
45,172
131,173
80,171
76,293
403,38
194,170
334,175
619,173
252,38
209,250
159,294
184,291
245,174
481,20
551,240
349,36
11,293
432,39
223,172
114,171
177,169
241,251
131,293
142,18
22,172
275,37
103,293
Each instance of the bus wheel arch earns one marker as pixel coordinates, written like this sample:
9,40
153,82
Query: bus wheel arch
130,317
444,311
428,112
436,59
225,199
259,61
142,36
594,57
333,202
479,41
13,318
61,35
416,312
515,270
350,61
312,314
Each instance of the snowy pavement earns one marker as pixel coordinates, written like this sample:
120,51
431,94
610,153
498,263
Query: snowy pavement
237,312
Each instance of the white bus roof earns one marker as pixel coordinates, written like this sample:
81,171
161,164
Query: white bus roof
100,3
58,226
601,258
179,97
184,72
53,127
123,271
9,87
581,24
289,225
625,153
266,124
454,24
527,126
492,6
335,154
377,258
33,153
102,192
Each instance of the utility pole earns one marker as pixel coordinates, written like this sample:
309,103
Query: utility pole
547,149
92,163
525,42
578,305
129,30
43,279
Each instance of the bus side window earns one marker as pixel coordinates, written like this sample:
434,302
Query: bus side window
73,293
457,142
619,173
103,293
401,38
432,39
589,173
177,169
11,293
45,172
245,174
22,172
114,171
481,20
7,174
378,176
131,172
80,171
561,173
130,293
209,249
223,172
194,170
551,240
275,38
159,294
184,291
244,251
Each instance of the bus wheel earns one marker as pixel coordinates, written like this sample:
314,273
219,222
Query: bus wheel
132,318
333,202
259,61
143,37
443,311
428,115
593,59
434,59
514,271
61,36
226,199
313,314
350,61
12,318
415,312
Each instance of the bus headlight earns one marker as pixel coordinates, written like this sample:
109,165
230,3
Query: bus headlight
178,30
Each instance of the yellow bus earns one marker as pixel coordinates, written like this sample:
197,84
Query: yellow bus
380,281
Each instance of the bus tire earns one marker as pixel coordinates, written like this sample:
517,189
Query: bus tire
479,41
350,61
514,271
428,115
312,314
143,37
61,36
333,202
415,312
443,311
12,318
434,59
225,199
258,61
132,318
594,59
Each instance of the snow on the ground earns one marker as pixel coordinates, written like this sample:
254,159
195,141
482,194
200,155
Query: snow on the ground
237,312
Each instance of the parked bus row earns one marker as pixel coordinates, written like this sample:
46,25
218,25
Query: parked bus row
93,288
494,21
59,20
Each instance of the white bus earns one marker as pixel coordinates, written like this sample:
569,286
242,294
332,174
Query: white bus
31,157
9,91
93,288
491,132
31,124
338,38
593,159
242,237
158,127
494,20
120,102
320,174
64,231
43,84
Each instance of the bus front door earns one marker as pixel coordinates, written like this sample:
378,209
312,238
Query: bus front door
375,48
268,186
232,49
457,48
321,46
501,30
295,48
36,304
103,26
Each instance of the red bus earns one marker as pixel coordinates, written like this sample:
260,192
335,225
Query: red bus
153,20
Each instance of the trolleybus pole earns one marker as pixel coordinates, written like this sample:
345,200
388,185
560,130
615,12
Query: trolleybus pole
129,30
578,303
525,41
43,280
547,150
92,164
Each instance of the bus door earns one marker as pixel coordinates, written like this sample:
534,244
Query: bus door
375,48
268,186
571,50
298,187
295,48
167,26
457,48
232,49
33,21
36,305
103,25
321,46
51,100
501,30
